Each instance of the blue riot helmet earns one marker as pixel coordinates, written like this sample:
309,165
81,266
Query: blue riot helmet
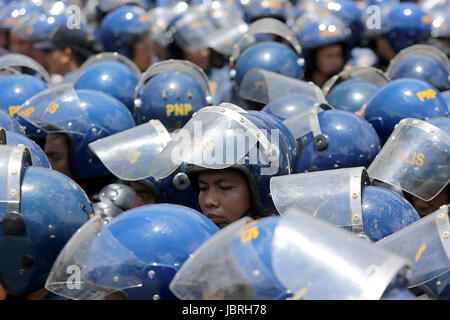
354,87
39,26
351,15
37,219
406,24
440,27
171,91
127,155
261,260
325,133
9,123
38,156
16,89
314,31
408,98
415,158
423,62
80,115
135,255
268,55
426,244
346,198
15,13
351,95
112,74
120,26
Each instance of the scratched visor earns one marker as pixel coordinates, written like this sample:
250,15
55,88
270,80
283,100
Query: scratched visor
216,137
265,86
57,109
128,154
94,264
227,267
317,260
333,195
415,158
20,62
425,243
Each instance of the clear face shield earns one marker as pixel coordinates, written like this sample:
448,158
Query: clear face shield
371,74
127,154
18,61
264,86
426,243
319,261
56,110
218,137
94,264
226,267
333,195
306,122
415,159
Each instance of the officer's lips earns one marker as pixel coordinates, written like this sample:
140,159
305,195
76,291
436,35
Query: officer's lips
215,218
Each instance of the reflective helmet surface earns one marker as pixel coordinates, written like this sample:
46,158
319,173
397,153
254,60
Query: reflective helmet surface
16,89
84,116
113,78
172,98
271,56
144,248
422,62
351,95
406,24
352,142
52,208
118,27
403,98
315,31
385,212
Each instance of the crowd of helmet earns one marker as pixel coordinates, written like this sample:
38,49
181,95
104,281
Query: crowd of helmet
339,190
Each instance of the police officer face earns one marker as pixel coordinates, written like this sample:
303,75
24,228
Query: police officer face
57,150
224,195
143,195
200,58
424,208
330,59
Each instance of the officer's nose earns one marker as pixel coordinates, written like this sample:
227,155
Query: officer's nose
211,199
